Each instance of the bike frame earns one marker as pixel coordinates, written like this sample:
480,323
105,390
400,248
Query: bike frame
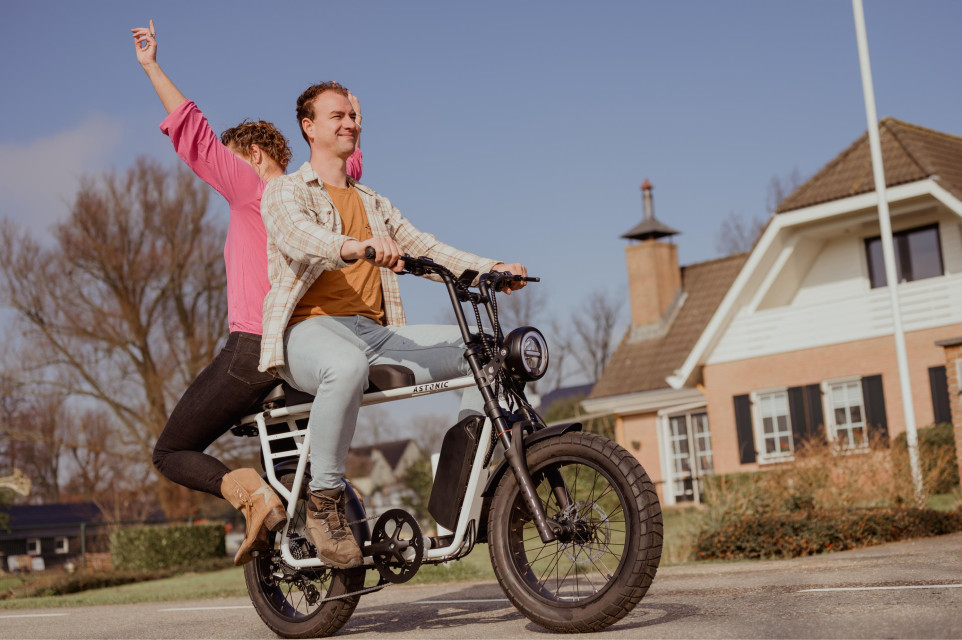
470,511
486,368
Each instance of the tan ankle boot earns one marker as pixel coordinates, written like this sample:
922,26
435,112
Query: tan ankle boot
263,510
329,532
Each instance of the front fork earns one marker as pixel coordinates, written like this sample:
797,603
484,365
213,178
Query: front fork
548,529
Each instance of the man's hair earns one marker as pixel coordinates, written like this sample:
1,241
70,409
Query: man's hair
264,134
305,103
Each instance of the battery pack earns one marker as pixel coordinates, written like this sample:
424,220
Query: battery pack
458,449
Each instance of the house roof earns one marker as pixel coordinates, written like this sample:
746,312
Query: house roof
358,465
392,451
45,520
643,365
909,153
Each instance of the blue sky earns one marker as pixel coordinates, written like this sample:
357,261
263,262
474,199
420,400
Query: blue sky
518,130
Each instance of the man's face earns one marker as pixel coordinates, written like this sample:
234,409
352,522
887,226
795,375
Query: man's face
332,131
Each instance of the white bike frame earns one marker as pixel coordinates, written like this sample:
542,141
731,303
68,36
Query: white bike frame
301,438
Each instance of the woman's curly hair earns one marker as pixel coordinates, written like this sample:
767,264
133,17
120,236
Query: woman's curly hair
262,133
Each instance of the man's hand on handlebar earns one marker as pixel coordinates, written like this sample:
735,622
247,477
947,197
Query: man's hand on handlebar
382,252
516,269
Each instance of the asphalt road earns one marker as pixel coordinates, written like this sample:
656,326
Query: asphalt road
904,590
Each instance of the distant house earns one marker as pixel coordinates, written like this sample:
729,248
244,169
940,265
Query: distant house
379,468
53,533
729,364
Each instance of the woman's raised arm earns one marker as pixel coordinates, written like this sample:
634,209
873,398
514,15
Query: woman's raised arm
145,40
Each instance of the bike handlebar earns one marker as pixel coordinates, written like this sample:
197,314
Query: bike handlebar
496,279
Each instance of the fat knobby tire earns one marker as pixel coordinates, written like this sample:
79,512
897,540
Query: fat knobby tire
643,537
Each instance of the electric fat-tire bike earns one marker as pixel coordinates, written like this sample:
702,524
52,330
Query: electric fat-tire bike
571,519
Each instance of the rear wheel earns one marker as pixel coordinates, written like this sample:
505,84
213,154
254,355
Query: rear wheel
292,602
604,561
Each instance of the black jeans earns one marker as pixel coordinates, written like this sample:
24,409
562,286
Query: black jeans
224,392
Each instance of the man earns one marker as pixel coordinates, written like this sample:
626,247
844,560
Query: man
331,313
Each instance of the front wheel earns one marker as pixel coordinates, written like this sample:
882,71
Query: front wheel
602,564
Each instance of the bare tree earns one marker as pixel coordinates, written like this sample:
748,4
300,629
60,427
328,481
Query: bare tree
129,304
32,444
522,308
780,188
738,234
428,430
560,345
593,336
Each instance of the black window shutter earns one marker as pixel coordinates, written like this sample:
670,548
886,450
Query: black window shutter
874,398
743,428
939,385
816,418
796,409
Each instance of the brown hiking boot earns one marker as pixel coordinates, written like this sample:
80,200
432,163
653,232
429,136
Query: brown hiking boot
328,529
262,509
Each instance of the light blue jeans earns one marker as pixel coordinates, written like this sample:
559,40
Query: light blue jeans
329,357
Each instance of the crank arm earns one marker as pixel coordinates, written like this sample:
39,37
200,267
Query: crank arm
386,548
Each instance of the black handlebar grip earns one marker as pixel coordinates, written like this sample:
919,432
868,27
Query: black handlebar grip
370,253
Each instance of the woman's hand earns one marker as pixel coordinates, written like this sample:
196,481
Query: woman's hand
145,39
357,107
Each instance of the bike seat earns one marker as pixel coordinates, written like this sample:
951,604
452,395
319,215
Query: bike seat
381,377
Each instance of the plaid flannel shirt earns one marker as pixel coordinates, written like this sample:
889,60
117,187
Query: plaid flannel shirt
304,240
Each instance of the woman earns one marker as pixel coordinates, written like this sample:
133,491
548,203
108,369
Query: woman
238,167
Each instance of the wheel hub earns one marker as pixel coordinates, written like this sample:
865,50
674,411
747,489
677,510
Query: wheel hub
584,532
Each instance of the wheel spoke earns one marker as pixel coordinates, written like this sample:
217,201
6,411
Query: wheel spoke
551,566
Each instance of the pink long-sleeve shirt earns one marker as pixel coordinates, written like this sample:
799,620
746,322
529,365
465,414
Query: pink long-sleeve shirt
245,252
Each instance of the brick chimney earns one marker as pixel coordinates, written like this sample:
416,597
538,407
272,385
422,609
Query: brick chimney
654,278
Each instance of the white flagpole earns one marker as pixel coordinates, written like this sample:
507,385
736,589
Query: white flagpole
888,251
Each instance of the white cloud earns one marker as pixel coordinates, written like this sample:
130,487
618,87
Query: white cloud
38,179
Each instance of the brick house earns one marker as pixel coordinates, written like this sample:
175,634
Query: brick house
730,363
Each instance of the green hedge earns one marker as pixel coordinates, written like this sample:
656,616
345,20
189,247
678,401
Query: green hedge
163,547
802,533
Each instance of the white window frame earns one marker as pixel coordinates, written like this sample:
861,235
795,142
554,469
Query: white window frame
759,431
61,545
665,448
828,408
33,546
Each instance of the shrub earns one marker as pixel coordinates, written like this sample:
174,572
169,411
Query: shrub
82,581
163,547
821,478
938,458
801,533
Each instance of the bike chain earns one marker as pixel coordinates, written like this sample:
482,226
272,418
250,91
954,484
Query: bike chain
359,592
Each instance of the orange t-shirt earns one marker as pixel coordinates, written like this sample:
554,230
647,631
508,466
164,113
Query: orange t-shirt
354,290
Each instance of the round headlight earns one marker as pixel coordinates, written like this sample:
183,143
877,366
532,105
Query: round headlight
527,353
